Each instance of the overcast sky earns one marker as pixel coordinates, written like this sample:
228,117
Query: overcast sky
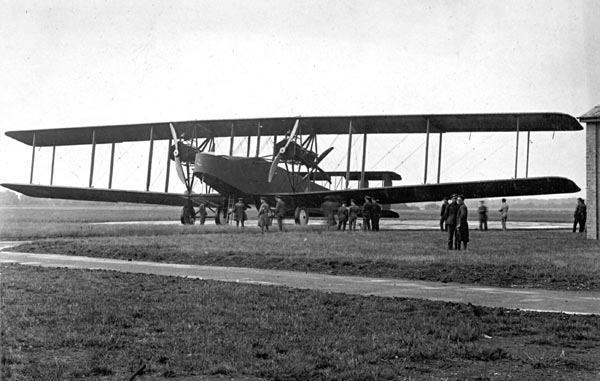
74,63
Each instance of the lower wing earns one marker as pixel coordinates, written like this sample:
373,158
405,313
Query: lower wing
435,192
112,195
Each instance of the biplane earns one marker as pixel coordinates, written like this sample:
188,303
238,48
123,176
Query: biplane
293,171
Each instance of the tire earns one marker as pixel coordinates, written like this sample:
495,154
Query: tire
301,216
220,212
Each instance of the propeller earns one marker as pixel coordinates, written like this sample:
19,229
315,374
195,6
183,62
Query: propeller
178,165
315,165
281,152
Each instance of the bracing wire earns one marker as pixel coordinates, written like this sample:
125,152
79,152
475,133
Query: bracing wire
354,142
457,161
409,155
390,151
239,145
478,163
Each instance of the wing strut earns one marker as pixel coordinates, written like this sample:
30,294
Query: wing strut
364,159
349,153
150,159
439,158
517,149
426,152
93,156
32,158
112,163
168,172
527,157
258,127
52,165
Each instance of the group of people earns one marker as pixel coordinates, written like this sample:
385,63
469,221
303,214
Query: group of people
482,211
348,215
453,216
265,213
189,215
453,219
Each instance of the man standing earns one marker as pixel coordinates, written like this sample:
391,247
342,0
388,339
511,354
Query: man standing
580,216
264,212
462,231
202,213
239,212
366,213
483,210
450,220
279,212
503,213
443,213
353,212
342,214
375,215
188,214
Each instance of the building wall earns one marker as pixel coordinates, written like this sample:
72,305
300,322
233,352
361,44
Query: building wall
592,166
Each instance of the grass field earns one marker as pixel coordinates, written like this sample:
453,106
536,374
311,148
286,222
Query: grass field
63,324
546,259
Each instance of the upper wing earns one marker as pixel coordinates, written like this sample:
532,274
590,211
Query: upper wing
320,125
435,192
111,195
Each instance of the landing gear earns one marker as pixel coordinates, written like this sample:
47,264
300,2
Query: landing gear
301,216
220,215
187,216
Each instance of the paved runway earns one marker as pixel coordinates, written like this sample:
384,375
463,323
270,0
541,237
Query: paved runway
572,302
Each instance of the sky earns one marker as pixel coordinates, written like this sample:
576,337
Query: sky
73,63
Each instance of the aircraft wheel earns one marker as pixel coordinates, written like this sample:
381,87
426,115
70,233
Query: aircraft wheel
218,214
186,218
301,216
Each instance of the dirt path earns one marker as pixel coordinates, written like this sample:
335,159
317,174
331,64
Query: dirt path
574,302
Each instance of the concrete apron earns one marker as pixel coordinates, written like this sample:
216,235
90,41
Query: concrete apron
571,302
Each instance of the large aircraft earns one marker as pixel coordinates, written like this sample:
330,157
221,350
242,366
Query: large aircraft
293,172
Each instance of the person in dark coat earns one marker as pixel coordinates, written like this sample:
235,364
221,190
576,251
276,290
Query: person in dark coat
451,220
188,214
264,214
580,216
375,215
342,214
353,212
366,213
239,212
483,217
202,213
462,229
503,213
279,212
443,213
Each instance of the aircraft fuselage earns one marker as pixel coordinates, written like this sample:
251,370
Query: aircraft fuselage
246,177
